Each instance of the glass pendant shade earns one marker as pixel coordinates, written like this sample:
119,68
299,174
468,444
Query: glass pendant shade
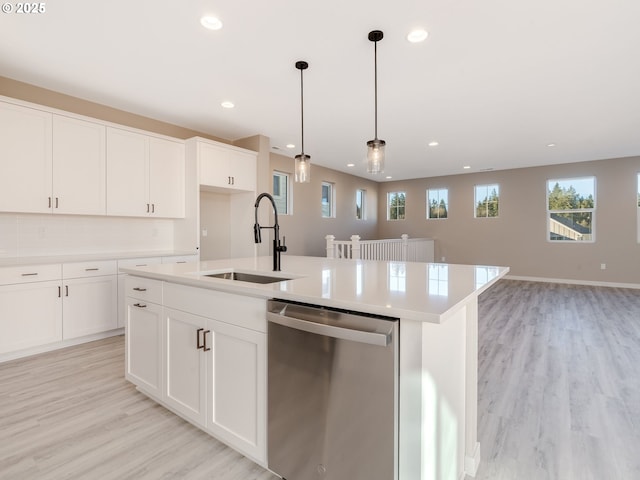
375,156
303,168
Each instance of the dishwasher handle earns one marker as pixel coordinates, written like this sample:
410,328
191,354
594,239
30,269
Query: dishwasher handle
360,336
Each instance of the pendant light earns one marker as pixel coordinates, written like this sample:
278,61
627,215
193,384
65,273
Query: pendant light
302,162
375,147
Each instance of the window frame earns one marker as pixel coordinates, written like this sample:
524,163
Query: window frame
404,215
446,205
475,200
332,199
288,194
362,193
549,211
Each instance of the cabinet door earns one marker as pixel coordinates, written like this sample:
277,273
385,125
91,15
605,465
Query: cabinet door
166,178
185,365
25,159
89,305
127,173
30,315
213,166
79,175
242,168
237,388
143,358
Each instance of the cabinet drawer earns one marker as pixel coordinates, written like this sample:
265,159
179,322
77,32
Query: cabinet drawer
143,289
89,269
240,310
138,262
30,273
180,259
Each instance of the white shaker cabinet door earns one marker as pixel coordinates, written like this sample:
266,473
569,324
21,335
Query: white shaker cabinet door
30,315
166,178
79,172
143,354
25,159
237,388
127,173
89,305
185,365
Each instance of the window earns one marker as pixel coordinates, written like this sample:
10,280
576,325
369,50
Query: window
487,199
437,203
638,208
327,200
281,192
571,209
360,204
395,205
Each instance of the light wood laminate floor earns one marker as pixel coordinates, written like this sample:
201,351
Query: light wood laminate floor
559,398
559,382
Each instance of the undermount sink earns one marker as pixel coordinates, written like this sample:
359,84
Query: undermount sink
247,277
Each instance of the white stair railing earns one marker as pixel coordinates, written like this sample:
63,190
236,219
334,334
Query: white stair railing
395,249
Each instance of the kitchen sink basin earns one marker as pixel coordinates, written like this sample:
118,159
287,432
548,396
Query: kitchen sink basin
247,277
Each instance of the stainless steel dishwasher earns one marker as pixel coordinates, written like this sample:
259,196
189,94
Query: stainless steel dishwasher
333,378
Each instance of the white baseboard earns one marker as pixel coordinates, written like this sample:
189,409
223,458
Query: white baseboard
472,463
5,357
574,282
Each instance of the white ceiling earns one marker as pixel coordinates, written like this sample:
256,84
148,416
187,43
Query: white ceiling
494,83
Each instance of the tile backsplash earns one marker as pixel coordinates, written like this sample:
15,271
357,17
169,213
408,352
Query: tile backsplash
25,235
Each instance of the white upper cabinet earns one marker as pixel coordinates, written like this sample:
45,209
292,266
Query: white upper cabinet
145,175
25,159
79,171
226,167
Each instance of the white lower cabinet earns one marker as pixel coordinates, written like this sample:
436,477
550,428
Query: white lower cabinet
143,353
30,315
214,372
90,306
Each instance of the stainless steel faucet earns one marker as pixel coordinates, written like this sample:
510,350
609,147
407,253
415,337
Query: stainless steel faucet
277,247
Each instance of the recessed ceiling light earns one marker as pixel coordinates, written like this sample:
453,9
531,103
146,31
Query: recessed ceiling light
551,144
290,145
351,164
388,177
227,104
433,144
417,36
212,23
467,167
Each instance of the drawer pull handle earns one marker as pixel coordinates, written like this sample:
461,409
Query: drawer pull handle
91,269
29,274
141,265
182,261
66,290
139,305
138,289
204,335
59,291
198,338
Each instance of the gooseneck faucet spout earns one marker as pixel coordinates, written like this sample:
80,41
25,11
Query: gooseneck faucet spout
277,247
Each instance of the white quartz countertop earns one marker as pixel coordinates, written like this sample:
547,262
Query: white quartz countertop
409,290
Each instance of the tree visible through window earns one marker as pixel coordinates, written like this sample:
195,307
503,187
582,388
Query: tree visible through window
281,192
437,203
487,199
571,209
327,200
395,205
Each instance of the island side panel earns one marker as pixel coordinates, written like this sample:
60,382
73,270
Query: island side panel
472,446
432,398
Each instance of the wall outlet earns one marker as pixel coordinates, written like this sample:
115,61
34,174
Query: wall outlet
204,232
443,259
603,266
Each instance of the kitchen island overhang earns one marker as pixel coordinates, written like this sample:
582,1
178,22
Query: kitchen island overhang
437,308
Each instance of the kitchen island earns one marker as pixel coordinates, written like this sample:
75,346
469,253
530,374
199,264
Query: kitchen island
437,384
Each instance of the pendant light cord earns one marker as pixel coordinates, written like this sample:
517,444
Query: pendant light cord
302,107
375,74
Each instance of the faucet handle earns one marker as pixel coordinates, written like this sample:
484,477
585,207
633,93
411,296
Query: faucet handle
283,247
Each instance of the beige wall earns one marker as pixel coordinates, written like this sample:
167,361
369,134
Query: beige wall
41,96
518,237
305,229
